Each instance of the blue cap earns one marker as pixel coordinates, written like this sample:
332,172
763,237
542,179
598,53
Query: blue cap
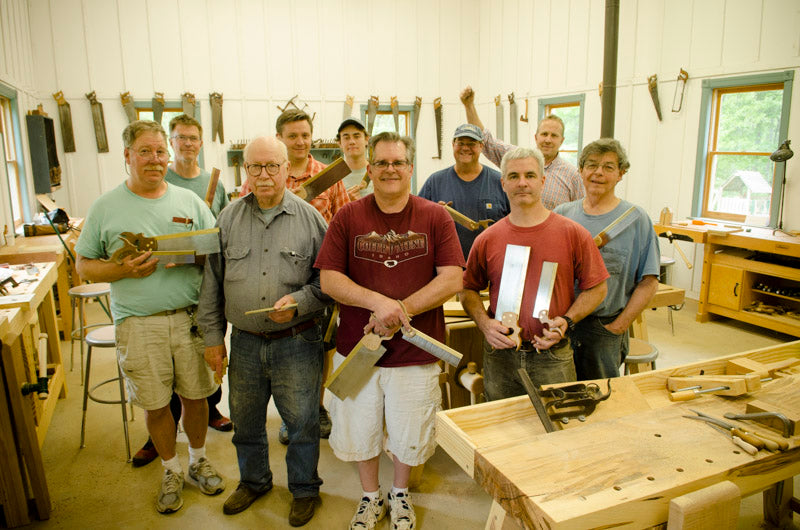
470,131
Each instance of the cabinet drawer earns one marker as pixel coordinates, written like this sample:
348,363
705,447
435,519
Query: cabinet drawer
725,286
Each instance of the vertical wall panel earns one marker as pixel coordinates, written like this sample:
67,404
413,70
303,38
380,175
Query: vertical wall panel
780,36
578,42
407,39
305,40
526,53
252,45
647,50
135,42
331,50
166,59
676,38
69,46
279,50
195,49
558,52
707,34
508,39
44,75
224,53
742,34
103,47
451,46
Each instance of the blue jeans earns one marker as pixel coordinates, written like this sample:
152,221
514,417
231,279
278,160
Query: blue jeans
598,352
501,379
290,370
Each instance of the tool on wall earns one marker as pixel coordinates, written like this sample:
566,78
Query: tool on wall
372,111
512,124
525,116
188,102
395,113
158,106
99,121
499,117
65,117
347,111
415,116
437,114
215,98
288,104
512,283
680,85
127,104
235,160
652,84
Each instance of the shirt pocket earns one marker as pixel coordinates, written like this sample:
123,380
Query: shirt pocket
235,263
614,259
295,268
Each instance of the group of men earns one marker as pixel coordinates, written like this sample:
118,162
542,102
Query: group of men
389,258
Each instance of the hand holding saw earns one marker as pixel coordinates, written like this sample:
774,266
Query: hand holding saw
181,247
323,180
616,227
465,221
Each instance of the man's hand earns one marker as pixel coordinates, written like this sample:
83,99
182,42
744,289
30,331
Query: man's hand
552,334
140,266
497,334
215,358
354,192
287,314
612,327
467,96
388,317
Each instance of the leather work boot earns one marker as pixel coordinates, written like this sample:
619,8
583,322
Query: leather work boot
303,510
241,499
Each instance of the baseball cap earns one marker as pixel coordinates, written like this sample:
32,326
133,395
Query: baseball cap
470,131
351,121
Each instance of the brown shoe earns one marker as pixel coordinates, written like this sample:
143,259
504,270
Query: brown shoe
241,499
145,455
303,510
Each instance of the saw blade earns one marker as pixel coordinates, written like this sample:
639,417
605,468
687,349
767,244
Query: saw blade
432,346
616,227
395,106
323,180
512,125
357,367
512,280
547,280
500,121
437,113
415,116
201,241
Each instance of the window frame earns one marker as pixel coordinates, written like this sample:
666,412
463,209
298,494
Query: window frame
387,109
707,137
22,185
172,105
546,105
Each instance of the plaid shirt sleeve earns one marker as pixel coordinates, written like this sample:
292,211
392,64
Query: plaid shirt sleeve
494,149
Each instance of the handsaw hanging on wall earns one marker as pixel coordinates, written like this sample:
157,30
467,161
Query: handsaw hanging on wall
415,116
158,106
127,105
347,111
499,113
437,113
395,113
215,98
65,117
99,121
372,111
652,84
512,125
188,102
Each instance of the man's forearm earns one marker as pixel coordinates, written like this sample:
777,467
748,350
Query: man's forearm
440,289
345,291
96,270
473,305
586,302
472,115
640,297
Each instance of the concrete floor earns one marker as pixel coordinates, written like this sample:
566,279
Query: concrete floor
95,488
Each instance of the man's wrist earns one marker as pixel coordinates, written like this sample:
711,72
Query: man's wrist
570,323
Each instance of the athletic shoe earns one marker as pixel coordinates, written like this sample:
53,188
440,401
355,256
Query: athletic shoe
203,474
169,498
401,511
369,512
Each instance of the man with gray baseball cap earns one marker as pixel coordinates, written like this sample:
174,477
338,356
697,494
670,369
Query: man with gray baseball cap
352,138
468,186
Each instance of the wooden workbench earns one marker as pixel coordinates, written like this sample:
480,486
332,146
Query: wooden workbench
621,468
34,296
49,248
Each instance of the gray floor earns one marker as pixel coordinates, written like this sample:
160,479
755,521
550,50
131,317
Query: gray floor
95,488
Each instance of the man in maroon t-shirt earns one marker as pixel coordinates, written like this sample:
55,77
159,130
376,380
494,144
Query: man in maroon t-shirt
546,353
387,258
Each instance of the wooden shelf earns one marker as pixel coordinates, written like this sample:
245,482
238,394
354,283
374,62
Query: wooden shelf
794,299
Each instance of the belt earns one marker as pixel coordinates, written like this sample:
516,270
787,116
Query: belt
187,309
283,333
528,345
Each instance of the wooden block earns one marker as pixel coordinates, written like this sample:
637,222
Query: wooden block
357,367
713,508
793,415
744,365
782,365
736,387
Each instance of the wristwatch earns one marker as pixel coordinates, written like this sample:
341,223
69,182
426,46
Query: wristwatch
570,323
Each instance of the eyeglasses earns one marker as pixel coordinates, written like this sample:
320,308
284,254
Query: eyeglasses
383,165
254,170
190,139
161,154
472,144
606,168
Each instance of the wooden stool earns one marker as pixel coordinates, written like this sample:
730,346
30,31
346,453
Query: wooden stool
640,353
104,338
79,294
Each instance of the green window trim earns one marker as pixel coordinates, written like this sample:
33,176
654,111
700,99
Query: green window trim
11,94
580,99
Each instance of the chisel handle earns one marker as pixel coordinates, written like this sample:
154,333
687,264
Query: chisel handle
753,440
749,449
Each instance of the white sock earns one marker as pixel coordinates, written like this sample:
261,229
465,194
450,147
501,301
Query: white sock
396,490
372,495
173,464
196,454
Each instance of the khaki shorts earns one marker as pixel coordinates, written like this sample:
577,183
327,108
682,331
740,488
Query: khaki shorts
405,399
158,354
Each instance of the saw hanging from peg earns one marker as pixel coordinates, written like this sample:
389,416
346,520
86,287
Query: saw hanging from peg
512,124
347,111
99,121
158,106
415,115
127,105
498,103
215,98
652,84
395,113
525,117
680,85
288,104
372,111
437,114
188,102
212,187
65,117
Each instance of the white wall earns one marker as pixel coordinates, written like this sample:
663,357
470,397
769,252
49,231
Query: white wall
261,53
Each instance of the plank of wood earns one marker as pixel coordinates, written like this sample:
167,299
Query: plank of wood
743,365
736,387
713,508
357,367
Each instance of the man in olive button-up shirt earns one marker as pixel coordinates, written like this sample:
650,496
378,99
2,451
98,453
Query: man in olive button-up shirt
269,242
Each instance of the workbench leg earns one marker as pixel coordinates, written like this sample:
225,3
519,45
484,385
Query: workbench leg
12,488
499,519
777,504
47,315
713,508
62,287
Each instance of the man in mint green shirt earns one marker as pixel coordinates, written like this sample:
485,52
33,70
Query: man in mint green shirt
153,305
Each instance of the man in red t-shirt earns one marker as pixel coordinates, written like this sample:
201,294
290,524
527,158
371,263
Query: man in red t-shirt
384,256
546,353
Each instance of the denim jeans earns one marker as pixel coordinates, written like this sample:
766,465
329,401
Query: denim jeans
501,379
598,352
290,370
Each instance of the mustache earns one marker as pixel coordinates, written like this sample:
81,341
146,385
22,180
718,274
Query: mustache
154,167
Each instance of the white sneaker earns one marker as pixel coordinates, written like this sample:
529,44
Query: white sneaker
401,511
169,497
203,474
369,512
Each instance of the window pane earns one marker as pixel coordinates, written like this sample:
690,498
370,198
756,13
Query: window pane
385,122
166,116
571,116
741,184
749,121
571,157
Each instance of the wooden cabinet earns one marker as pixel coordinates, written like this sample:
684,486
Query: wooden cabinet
44,156
725,286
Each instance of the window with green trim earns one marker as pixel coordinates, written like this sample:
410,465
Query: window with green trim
570,110
743,120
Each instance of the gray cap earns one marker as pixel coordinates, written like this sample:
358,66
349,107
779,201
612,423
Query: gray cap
470,131
351,121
